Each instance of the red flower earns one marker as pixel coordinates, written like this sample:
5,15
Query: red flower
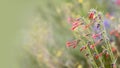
68,44
99,55
75,25
117,34
83,48
72,43
112,32
92,46
107,55
94,36
91,15
113,49
96,56
74,46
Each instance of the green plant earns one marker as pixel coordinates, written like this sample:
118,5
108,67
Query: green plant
91,38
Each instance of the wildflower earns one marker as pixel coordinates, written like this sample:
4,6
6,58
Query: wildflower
92,46
113,66
68,44
114,49
106,23
95,44
91,15
118,2
109,16
98,55
40,56
79,66
117,34
70,20
94,36
59,53
75,25
72,43
80,1
74,46
112,32
83,48
107,54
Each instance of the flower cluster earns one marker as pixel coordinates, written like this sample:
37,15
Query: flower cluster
92,39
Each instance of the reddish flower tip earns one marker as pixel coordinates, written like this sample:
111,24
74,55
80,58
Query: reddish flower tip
113,49
74,46
96,56
83,48
91,15
112,32
107,55
75,25
92,46
68,44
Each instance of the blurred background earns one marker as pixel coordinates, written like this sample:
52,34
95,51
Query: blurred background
33,33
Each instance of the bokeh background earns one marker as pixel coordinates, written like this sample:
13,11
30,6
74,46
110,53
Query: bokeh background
33,33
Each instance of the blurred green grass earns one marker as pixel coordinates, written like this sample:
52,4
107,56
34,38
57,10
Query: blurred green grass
14,15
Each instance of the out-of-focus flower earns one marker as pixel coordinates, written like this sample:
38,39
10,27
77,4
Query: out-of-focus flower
109,16
118,2
106,23
40,56
94,36
91,15
72,43
83,48
115,33
107,54
59,53
79,66
98,55
80,1
75,25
